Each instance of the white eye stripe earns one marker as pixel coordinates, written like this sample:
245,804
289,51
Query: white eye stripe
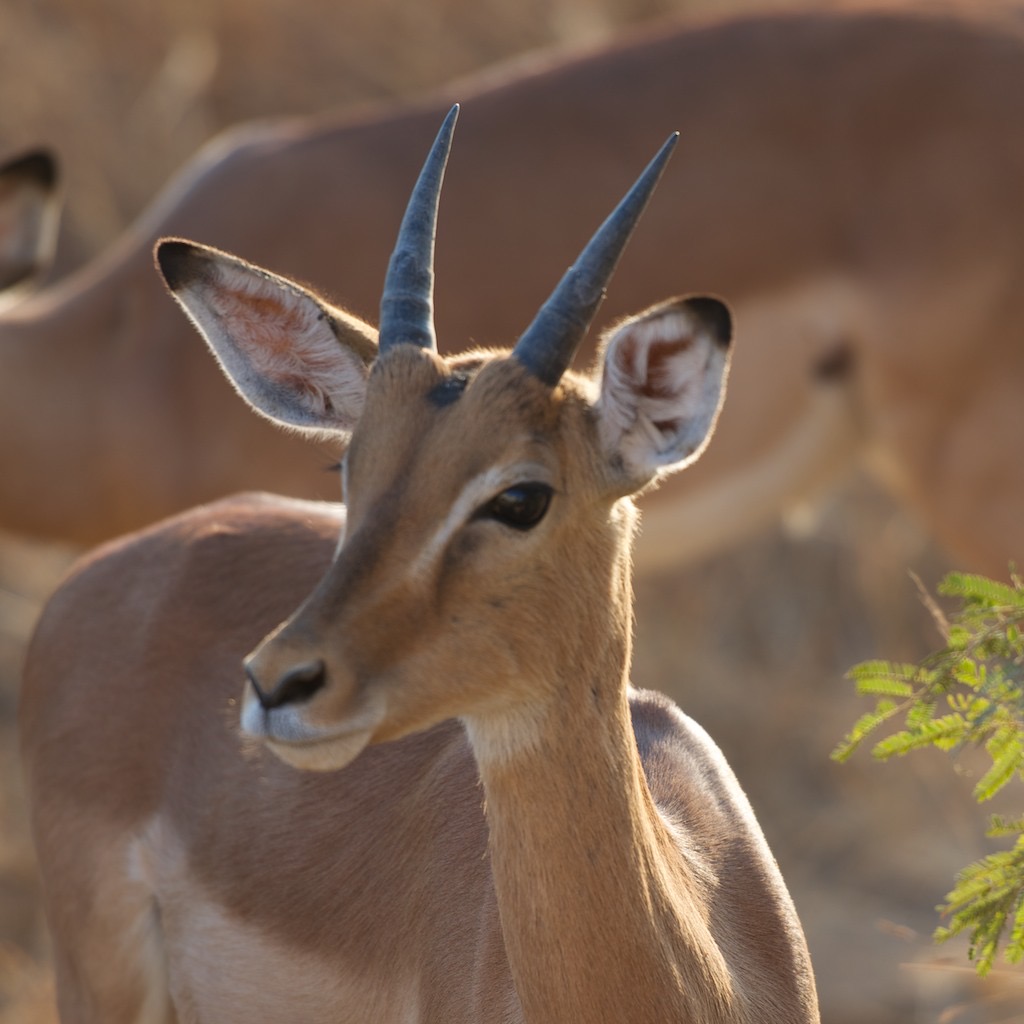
476,491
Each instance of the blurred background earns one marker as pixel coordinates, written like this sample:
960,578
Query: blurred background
754,643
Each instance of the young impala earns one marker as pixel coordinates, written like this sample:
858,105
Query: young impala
499,828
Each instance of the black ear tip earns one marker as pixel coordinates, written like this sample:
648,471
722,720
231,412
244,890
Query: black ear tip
714,316
177,262
37,165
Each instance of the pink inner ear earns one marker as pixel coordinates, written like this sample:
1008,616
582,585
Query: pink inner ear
659,382
263,320
627,354
283,340
648,362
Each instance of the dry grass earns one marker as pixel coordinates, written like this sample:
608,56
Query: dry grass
753,643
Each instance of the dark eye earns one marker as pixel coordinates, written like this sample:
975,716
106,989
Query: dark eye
522,507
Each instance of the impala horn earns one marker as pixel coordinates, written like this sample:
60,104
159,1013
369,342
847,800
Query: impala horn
407,302
547,346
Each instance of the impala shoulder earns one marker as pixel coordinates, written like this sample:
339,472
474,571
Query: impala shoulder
684,766
661,726
249,521
250,538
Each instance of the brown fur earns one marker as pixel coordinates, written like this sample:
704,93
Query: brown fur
603,884
381,863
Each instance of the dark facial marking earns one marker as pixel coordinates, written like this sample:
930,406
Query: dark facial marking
448,391
837,364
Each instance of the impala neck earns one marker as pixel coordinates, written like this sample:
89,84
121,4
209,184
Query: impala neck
601,916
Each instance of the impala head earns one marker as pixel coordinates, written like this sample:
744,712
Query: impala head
485,563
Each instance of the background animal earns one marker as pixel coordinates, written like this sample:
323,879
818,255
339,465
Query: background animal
858,844
849,180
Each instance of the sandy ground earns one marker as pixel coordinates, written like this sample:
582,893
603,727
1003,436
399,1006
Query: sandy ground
754,643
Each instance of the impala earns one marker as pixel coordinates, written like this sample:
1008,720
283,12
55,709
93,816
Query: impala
852,181
498,827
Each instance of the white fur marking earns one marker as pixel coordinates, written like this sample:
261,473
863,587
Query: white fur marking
144,941
295,739
501,738
475,493
225,970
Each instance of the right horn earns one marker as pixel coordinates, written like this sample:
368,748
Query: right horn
547,346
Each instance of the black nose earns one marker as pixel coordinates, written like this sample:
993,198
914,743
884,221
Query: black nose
298,684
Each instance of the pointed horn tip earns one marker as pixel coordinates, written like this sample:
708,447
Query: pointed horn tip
661,158
444,134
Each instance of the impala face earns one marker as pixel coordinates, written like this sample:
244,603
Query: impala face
487,494
459,520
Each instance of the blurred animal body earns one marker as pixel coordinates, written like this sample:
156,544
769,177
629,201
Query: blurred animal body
850,180
618,872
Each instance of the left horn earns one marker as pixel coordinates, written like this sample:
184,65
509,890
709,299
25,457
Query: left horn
548,345
407,302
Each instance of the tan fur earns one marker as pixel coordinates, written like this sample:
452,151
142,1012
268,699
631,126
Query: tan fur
875,146
574,851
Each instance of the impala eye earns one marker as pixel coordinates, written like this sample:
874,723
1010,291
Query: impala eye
522,507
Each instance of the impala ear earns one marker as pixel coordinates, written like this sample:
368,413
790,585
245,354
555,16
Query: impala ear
29,219
662,383
295,359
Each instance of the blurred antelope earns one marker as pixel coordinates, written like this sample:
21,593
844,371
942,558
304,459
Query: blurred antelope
567,850
852,181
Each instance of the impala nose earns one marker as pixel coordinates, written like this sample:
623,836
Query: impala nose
298,684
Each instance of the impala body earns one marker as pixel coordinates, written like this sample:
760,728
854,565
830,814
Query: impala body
851,182
471,815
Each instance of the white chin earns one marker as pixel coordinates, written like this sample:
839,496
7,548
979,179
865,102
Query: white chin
308,746
326,755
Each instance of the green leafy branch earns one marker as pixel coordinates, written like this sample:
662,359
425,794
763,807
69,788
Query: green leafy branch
969,693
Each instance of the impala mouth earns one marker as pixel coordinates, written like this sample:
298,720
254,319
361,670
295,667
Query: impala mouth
306,745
